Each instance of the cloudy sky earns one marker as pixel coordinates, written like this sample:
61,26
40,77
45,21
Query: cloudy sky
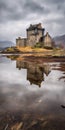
16,15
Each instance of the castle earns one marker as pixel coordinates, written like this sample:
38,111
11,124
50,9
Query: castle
35,34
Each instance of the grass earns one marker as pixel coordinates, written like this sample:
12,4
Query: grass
40,51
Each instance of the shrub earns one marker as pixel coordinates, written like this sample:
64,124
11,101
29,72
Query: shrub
46,47
38,45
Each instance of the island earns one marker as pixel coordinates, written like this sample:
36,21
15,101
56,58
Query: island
36,43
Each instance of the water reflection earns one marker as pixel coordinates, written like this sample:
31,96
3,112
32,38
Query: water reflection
35,72
26,104
62,69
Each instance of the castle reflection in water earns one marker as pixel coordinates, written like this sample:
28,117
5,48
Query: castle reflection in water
35,71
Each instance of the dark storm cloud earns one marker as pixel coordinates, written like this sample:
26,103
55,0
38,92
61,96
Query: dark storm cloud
53,1
20,9
10,11
13,13
35,7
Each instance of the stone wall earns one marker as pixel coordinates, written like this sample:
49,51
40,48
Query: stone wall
35,34
33,38
30,33
21,42
31,41
20,64
40,34
48,41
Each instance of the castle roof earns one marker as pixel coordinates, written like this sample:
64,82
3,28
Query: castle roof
35,26
47,36
48,40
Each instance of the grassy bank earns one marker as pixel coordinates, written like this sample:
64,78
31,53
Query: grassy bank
35,51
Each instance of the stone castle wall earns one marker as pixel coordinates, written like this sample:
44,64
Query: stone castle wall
21,42
48,41
33,38
35,34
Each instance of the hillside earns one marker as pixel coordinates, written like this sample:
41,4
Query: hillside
4,44
60,40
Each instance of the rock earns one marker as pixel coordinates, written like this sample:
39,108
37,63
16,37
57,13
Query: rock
17,126
44,123
32,124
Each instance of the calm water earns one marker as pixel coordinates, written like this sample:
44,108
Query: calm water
32,93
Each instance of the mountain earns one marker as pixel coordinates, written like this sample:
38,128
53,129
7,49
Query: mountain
4,44
60,40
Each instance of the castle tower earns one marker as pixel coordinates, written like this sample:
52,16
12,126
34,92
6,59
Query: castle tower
34,33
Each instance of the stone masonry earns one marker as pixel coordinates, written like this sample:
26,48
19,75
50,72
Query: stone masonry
35,34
